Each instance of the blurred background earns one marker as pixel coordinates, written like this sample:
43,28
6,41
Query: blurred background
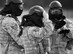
67,5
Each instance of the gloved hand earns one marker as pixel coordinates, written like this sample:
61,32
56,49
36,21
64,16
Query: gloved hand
60,24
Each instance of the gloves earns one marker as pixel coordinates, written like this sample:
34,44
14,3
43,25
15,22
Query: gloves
60,24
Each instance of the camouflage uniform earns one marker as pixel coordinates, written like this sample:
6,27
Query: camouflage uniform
8,36
31,37
59,44
68,25
1,32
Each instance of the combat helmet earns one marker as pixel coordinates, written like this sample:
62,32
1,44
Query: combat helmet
36,9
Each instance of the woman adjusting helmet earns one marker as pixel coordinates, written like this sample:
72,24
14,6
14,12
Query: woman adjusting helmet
34,16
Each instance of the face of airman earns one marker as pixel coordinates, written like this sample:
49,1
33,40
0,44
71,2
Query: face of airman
21,6
55,11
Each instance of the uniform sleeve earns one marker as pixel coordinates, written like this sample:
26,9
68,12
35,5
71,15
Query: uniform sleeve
11,27
69,25
48,28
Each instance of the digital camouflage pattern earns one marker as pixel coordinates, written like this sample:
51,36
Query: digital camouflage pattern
8,36
32,37
58,44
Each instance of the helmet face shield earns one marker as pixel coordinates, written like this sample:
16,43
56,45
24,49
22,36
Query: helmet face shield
55,11
40,14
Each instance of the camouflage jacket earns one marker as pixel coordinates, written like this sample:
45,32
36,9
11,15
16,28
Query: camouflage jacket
32,36
8,36
58,42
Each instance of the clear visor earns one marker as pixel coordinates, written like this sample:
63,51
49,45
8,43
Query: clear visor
55,11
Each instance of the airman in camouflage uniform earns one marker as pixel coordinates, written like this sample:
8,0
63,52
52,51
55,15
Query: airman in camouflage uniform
61,37
9,30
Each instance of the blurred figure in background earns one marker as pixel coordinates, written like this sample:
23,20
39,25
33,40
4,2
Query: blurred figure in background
36,31
9,28
61,24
